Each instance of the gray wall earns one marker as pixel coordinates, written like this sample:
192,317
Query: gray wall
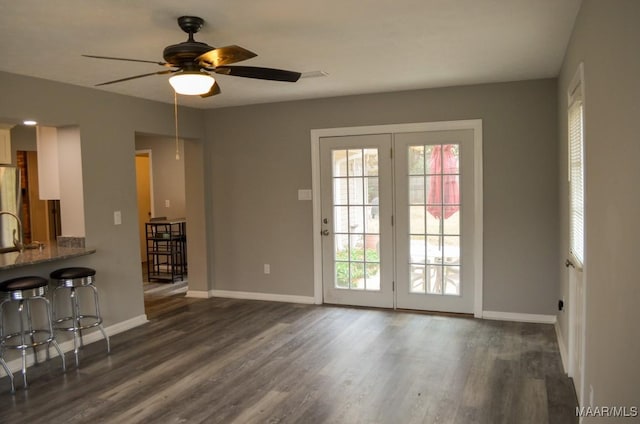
23,138
108,124
605,39
168,174
260,156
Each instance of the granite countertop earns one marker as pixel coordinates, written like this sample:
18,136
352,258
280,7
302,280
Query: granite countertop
36,256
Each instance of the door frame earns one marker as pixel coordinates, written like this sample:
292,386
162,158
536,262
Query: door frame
472,124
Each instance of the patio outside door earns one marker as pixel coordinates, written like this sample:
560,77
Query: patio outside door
357,234
434,228
399,212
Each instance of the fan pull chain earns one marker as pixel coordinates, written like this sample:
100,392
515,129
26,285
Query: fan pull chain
175,114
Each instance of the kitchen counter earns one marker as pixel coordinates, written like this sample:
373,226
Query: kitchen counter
37,256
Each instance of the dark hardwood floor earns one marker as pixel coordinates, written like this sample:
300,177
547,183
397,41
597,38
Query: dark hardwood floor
233,361
161,298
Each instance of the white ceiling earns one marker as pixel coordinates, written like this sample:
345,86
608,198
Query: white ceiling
365,46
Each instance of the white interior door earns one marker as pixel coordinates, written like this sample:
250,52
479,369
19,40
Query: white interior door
357,242
576,331
577,257
434,198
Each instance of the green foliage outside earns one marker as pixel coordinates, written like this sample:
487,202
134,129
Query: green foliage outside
357,269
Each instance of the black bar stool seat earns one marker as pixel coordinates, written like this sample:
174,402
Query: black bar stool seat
22,291
74,279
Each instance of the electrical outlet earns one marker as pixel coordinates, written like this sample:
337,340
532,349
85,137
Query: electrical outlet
117,218
167,204
267,269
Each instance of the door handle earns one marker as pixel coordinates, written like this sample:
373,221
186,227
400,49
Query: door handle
568,264
325,232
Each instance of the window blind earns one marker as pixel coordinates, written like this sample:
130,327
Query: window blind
576,178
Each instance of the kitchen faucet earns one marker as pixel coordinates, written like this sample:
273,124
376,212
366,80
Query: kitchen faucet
17,242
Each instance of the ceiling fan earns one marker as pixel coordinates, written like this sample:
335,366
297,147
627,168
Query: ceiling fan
192,62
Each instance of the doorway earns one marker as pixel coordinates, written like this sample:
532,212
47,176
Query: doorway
41,221
399,218
160,197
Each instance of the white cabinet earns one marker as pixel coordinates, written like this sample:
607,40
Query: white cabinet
5,146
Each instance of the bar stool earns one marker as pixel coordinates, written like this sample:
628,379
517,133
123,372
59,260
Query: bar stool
74,279
24,291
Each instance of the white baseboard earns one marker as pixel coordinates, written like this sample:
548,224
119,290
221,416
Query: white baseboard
511,316
15,365
562,347
198,294
261,296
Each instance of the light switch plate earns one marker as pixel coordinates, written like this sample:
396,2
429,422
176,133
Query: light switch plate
117,218
304,194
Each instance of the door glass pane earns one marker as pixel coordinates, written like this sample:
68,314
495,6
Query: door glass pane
434,190
356,252
451,280
434,225
417,280
372,248
354,168
342,275
340,192
416,160
371,162
339,159
416,219
451,250
356,219
372,276
434,219
357,276
371,190
434,250
416,190
355,191
434,279
341,219
451,225
341,246
416,249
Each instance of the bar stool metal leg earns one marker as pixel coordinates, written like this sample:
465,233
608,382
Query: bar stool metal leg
100,327
8,372
2,362
53,340
31,333
23,346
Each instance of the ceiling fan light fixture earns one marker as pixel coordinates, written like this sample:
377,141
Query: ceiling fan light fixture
192,83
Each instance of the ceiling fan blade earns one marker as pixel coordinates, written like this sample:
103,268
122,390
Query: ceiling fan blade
169,71
224,56
259,73
214,90
128,60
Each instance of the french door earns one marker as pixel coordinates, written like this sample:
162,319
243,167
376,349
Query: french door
434,229
398,220
357,242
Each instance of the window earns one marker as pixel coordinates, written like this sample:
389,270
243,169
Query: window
576,166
